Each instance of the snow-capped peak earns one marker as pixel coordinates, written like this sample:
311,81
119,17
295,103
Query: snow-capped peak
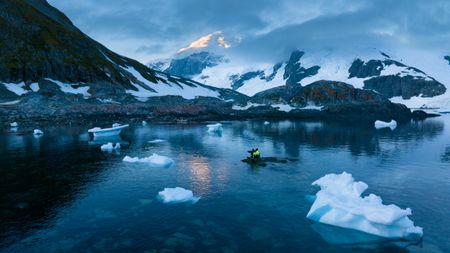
205,41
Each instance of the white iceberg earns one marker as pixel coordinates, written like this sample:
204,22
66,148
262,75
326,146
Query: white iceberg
154,160
38,132
177,195
266,123
381,124
106,132
214,128
109,147
144,123
339,203
13,125
156,141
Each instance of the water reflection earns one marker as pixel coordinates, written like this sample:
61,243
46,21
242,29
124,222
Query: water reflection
354,239
446,155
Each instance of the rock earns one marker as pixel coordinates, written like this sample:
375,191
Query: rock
448,59
193,64
420,115
294,72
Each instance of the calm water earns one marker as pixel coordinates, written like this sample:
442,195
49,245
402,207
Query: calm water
60,193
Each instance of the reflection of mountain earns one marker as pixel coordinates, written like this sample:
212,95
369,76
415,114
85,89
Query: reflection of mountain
358,137
446,155
40,180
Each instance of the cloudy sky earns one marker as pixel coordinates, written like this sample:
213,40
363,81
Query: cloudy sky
151,29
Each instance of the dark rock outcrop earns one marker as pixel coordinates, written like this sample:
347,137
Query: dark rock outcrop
420,115
336,98
448,59
400,84
238,80
193,64
294,72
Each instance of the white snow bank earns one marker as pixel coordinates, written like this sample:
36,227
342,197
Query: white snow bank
109,147
38,132
71,88
10,102
283,107
154,160
214,128
246,107
17,88
177,195
34,87
14,124
339,203
381,124
156,141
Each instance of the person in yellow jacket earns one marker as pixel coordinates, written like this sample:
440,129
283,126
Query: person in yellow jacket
256,154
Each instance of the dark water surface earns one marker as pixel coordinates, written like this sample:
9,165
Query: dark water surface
60,193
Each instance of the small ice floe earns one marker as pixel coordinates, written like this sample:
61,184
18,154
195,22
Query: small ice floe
109,147
266,123
339,203
144,123
13,125
156,141
38,132
177,195
381,124
214,128
106,132
154,160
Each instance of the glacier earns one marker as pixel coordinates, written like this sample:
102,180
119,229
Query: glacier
382,124
177,195
339,203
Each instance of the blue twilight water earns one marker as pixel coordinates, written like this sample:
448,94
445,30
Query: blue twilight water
60,193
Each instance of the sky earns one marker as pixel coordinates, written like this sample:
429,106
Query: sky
147,30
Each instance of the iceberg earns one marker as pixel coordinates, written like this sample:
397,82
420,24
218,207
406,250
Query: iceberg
109,147
106,132
156,141
14,124
214,128
154,160
177,195
266,123
381,124
38,132
144,123
339,203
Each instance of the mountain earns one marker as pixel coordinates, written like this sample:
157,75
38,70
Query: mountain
363,68
46,62
49,69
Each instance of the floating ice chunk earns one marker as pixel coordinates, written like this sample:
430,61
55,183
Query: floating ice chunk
156,141
339,203
107,132
154,160
144,123
177,195
381,124
38,132
214,128
266,123
14,124
109,147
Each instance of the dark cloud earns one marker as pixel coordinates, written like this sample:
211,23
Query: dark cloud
146,29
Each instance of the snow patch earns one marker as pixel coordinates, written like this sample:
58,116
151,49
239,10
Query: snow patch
381,124
10,102
72,88
156,141
154,160
266,123
17,88
246,107
34,87
283,107
177,195
339,203
14,124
